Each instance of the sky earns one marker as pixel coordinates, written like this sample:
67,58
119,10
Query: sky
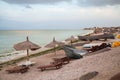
58,14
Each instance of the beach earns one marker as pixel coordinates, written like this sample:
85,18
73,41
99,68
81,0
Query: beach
103,65
59,39
107,64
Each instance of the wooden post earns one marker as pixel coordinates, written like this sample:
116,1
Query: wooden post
55,50
71,42
27,54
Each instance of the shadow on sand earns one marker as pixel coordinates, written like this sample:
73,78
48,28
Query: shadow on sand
116,77
89,75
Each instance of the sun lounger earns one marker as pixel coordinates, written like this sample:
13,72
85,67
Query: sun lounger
55,65
18,69
64,60
94,48
97,47
99,51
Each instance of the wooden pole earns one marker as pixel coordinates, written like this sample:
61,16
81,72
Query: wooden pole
55,50
71,42
27,54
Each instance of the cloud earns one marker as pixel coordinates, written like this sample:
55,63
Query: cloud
28,6
80,2
98,2
33,1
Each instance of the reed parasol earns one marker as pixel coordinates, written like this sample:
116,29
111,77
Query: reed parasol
71,39
26,45
54,44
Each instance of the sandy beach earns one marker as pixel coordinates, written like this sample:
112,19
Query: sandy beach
107,64
59,39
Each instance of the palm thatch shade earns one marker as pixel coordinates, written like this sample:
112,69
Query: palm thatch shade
26,45
71,39
54,44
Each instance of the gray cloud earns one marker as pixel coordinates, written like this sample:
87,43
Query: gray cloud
28,6
98,2
33,1
80,2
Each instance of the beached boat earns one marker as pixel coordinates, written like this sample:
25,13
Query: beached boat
74,53
96,37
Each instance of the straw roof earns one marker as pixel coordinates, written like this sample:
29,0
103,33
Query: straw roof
72,38
26,45
54,43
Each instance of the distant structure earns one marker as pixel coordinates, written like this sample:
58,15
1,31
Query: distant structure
97,30
104,29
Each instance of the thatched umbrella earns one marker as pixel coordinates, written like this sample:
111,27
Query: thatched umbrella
54,44
71,39
26,45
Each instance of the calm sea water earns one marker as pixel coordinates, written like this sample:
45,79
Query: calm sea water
40,37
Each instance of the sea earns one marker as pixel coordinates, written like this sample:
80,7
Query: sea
41,37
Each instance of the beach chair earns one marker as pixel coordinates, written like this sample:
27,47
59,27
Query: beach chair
63,60
18,69
103,45
99,47
94,48
56,65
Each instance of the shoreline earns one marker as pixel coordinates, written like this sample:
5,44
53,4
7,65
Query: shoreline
42,50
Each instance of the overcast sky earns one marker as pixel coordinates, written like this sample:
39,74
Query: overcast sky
58,14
